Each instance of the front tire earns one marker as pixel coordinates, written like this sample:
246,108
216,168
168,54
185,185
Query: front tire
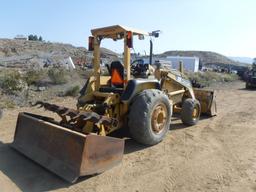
149,117
190,111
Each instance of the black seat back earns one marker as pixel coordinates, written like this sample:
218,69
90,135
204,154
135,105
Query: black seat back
117,74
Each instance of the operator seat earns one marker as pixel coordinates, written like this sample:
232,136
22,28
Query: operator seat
117,74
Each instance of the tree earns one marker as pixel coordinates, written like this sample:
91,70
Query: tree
31,37
34,38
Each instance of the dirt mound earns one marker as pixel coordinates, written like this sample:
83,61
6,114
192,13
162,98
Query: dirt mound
25,54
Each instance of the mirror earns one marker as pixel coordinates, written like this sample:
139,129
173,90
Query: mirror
156,35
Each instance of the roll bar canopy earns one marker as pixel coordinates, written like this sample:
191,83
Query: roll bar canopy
116,32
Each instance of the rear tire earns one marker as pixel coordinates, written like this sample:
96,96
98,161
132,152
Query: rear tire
149,117
190,112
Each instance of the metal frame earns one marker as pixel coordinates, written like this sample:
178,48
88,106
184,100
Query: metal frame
114,32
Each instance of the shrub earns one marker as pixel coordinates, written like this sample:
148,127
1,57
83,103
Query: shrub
33,76
230,77
11,82
7,103
72,91
208,77
58,75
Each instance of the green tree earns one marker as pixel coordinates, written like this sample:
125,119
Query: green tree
31,37
35,38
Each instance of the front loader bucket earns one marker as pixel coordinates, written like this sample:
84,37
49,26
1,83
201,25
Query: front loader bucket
207,99
67,153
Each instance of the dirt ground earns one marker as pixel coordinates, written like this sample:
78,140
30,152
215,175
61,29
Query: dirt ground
218,154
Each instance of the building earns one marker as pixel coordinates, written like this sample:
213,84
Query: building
189,63
21,37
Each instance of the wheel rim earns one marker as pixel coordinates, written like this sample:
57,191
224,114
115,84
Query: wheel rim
195,112
159,118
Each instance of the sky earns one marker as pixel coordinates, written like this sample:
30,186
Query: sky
224,26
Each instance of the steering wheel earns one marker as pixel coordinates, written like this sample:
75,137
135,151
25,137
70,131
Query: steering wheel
138,68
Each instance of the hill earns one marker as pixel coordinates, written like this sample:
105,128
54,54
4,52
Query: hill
25,54
206,57
248,60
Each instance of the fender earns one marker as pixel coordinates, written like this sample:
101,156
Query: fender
136,86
